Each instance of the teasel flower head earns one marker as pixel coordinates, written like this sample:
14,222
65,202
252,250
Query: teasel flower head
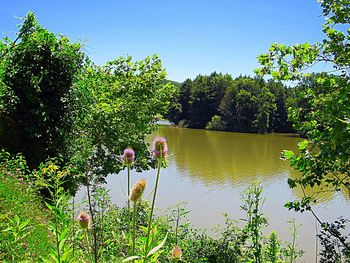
84,220
160,147
176,253
137,190
129,156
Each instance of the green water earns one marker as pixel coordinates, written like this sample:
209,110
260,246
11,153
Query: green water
208,170
219,158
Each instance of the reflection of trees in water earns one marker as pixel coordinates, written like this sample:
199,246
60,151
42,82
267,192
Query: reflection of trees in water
323,193
217,157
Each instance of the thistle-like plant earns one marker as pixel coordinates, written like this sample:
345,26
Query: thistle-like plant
135,196
128,159
160,152
84,222
176,253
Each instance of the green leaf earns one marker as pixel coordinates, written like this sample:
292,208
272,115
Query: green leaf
155,249
130,259
288,154
61,244
303,144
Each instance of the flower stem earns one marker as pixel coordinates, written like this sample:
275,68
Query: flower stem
134,230
87,244
152,208
129,196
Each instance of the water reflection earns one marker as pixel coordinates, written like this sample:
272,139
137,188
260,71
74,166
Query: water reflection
223,159
320,193
209,170
218,158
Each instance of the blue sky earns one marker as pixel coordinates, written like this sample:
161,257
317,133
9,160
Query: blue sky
191,37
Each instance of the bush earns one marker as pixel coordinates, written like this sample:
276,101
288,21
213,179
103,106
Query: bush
216,124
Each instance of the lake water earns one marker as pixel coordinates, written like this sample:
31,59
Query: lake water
209,170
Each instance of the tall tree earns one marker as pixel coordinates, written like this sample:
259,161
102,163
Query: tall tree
116,109
248,106
207,93
282,96
36,75
264,118
179,104
220,102
184,99
324,155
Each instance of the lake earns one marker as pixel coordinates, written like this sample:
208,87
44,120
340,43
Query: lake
209,170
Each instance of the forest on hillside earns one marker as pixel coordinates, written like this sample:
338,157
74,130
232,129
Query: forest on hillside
242,104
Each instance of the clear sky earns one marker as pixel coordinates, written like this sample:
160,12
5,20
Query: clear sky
191,37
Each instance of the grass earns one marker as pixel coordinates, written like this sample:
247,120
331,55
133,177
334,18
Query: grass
23,234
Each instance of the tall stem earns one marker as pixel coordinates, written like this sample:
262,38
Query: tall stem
57,242
92,217
73,225
102,225
87,244
128,196
152,208
134,230
56,223
177,223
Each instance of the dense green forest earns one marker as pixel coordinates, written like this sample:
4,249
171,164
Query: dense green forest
66,122
243,104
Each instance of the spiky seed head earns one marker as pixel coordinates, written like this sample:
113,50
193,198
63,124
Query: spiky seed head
160,147
176,253
84,220
137,190
129,156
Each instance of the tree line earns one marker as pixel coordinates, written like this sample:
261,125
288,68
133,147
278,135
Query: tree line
242,104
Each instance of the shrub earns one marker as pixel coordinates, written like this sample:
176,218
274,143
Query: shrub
216,124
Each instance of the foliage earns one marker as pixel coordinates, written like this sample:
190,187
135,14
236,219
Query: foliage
198,100
263,121
55,103
36,75
180,103
50,176
215,124
243,104
255,220
22,233
291,252
115,110
206,94
323,112
334,250
283,99
61,240
248,106
273,249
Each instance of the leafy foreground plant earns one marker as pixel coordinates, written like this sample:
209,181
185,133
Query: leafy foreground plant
84,222
171,236
52,177
160,152
135,196
22,232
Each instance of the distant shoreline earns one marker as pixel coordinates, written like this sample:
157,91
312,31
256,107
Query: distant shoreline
168,123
